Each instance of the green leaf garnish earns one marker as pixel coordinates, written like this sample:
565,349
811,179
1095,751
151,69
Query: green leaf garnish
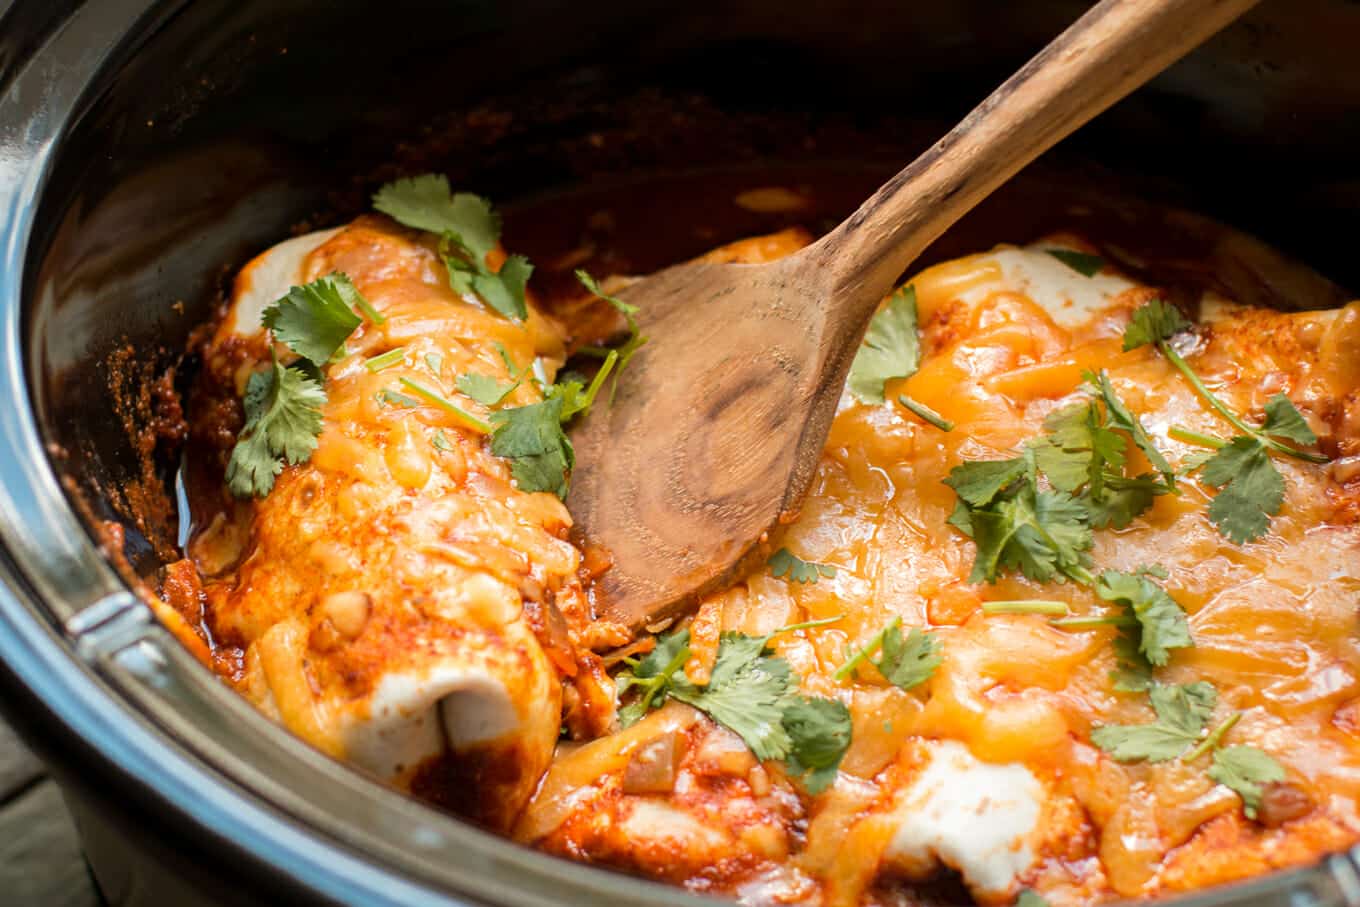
1283,420
926,413
783,563
651,674
441,442
891,348
1157,322
315,319
283,420
532,437
386,360
485,389
751,692
1119,416
1246,769
635,339
1252,489
1161,621
426,203
1083,263
819,734
1031,898
909,661
432,396
1182,711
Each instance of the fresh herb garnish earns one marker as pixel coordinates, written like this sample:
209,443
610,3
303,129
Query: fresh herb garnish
283,420
926,413
485,389
906,662
314,320
891,348
1016,525
441,442
1245,770
635,339
1083,263
531,437
1031,898
389,397
283,404
467,225
753,693
819,734
1252,488
1182,711
1027,606
783,563
1161,622
650,674
439,400
386,360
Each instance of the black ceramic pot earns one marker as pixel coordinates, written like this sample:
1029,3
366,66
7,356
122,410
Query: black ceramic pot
145,147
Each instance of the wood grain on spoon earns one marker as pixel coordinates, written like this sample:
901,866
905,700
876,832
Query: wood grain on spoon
718,426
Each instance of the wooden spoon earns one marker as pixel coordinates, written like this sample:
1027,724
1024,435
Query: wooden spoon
721,418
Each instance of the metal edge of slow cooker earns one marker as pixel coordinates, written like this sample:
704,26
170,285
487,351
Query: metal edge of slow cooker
140,735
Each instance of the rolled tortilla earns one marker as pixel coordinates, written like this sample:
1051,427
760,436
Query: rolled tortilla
390,590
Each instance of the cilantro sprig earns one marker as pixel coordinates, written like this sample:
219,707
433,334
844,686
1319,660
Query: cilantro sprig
907,661
635,339
1046,532
1246,770
467,227
891,348
1182,711
1160,622
283,420
283,403
784,563
752,692
1251,488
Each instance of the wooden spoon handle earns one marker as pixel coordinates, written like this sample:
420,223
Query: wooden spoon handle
1103,56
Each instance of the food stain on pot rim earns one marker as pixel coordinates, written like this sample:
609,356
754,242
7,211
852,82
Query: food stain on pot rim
1071,647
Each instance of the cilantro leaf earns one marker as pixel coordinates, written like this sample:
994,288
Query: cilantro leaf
1119,416
907,662
1283,420
1040,533
978,482
819,733
1154,322
1083,263
1123,499
1031,898
746,695
783,563
504,290
1245,769
283,419
1133,673
1252,489
315,319
1161,622
540,451
651,674
891,348
1079,449
485,389
426,203
1182,711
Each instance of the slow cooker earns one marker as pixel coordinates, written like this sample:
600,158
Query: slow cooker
146,148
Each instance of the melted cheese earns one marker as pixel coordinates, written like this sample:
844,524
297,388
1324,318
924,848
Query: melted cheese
986,768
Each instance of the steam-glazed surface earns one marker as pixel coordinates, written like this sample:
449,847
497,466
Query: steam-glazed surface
406,607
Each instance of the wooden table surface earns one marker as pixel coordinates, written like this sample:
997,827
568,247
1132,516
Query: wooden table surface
40,860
